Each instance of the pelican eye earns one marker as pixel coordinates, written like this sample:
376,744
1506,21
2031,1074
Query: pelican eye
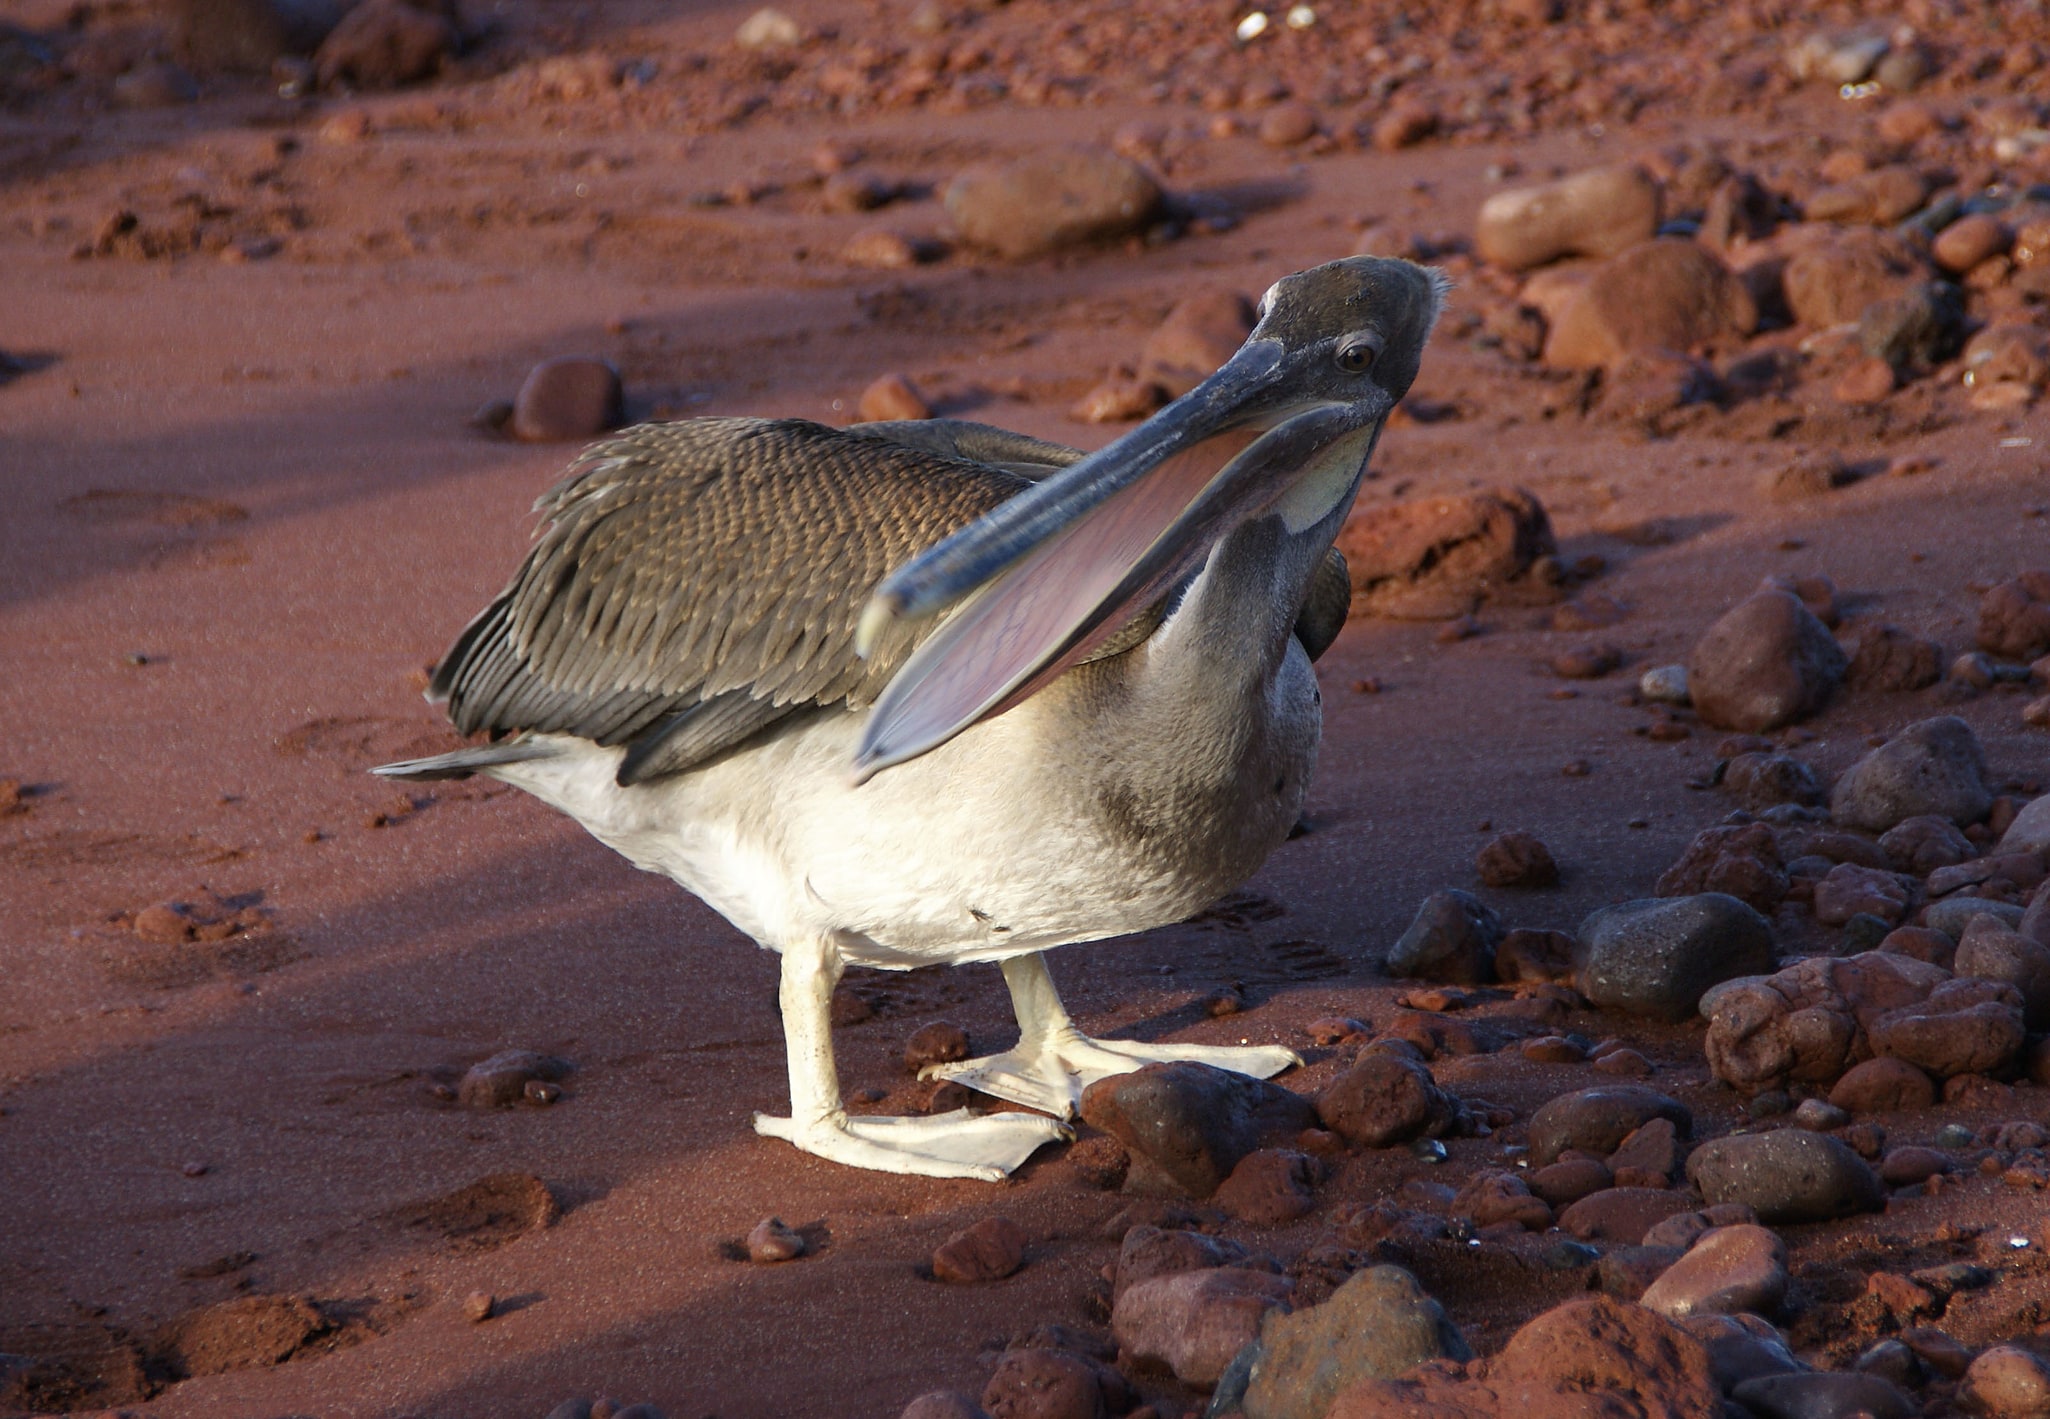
1357,356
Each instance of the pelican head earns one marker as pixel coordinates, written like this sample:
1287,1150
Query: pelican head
1283,429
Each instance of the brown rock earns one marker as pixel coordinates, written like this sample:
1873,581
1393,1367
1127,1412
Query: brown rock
989,1250
1883,1086
1878,198
1885,658
1731,1270
1903,1167
1869,381
1597,213
1118,399
1406,123
502,1079
845,192
165,924
1187,1125
1765,664
1849,890
248,1333
1439,558
1529,954
1653,1148
1620,1214
941,1042
2014,617
1050,199
1965,1026
1196,1322
770,1241
1969,240
1807,1022
891,396
383,44
937,1404
1044,1384
1586,662
1831,285
1809,474
1202,332
1517,859
1148,1252
1567,1181
2008,1382
1489,1199
1597,1120
1920,943
1100,1163
1668,294
247,36
572,397
883,250
1990,950
1383,1100
1380,1322
1288,123
1741,860
1270,1187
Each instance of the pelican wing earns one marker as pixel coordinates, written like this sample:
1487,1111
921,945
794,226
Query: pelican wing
692,583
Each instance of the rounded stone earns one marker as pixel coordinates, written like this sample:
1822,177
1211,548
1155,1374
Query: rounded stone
1789,1175
1728,1271
1452,939
1932,767
1596,1121
572,397
2008,1382
1658,956
1883,1086
1597,213
1823,1395
1051,199
1766,663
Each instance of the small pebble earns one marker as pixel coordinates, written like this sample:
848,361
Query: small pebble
892,396
770,1242
1820,1115
479,1306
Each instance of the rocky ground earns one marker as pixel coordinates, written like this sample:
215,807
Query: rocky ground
1667,940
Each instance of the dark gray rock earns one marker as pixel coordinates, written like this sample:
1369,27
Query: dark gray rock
1453,938
1377,1325
1789,1175
1915,329
1823,1394
1953,916
1147,1252
1922,844
1933,767
248,35
1741,1348
1598,1120
1760,781
1188,1125
1765,664
1657,956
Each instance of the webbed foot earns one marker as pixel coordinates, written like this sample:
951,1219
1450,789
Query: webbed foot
959,1144
1052,1076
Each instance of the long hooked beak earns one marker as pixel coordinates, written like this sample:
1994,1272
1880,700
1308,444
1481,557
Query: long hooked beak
1046,578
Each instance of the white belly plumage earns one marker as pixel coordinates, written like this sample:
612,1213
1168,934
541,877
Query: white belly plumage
997,844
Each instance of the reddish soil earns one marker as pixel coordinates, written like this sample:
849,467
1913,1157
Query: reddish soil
245,508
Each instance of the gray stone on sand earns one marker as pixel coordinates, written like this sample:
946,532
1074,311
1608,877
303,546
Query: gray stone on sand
1823,1394
1047,200
1934,766
1453,939
1788,1175
1598,1120
1657,956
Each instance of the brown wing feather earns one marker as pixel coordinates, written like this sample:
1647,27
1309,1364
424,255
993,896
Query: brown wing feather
678,563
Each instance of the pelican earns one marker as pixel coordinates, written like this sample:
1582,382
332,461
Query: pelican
903,694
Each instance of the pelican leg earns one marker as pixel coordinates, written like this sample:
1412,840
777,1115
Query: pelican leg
1054,1062
959,1144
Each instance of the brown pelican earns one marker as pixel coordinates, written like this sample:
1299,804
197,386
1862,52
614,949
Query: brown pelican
914,693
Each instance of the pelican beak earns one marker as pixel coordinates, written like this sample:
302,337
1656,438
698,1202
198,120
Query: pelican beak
1040,582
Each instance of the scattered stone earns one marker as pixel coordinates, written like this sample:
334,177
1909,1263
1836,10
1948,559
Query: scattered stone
1148,1252
1517,859
1384,1099
883,250
768,28
1878,198
1922,844
384,44
1596,213
502,1079
846,192
1883,1086
891,396
989,1250
1658,956
2014,617
1050,199
1965,1026
1202,332
1491,1199
1269,1187
247,36
1288,123
1596,1121
1739,860
1729,1271
1867,382
1452,939
2008,1382
1904,1167
1620,1214
1741,1348
479,1306
1789,1175
156,85
1761,781
571,397
1565,1182
1808,474
1671,294
941,1042
1376,1326
1041,1383
1823,1395
1406,123
1118,399
1528,954
1828,286
1438,558
1891,1361
1188,1125
1991,950
1651,1151
1196,1322
1914,330
1820,1115
939,1404
1765,664
1665,685
1969,240
1932,767
1586,662
1849,890
770,1241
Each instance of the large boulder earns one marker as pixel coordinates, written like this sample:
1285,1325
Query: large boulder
1188,1125
1377,1325
1596,213
1438,558
1047,200
1729,1271
1934,766
1672,294
1656,957
1766,663
1788,1175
